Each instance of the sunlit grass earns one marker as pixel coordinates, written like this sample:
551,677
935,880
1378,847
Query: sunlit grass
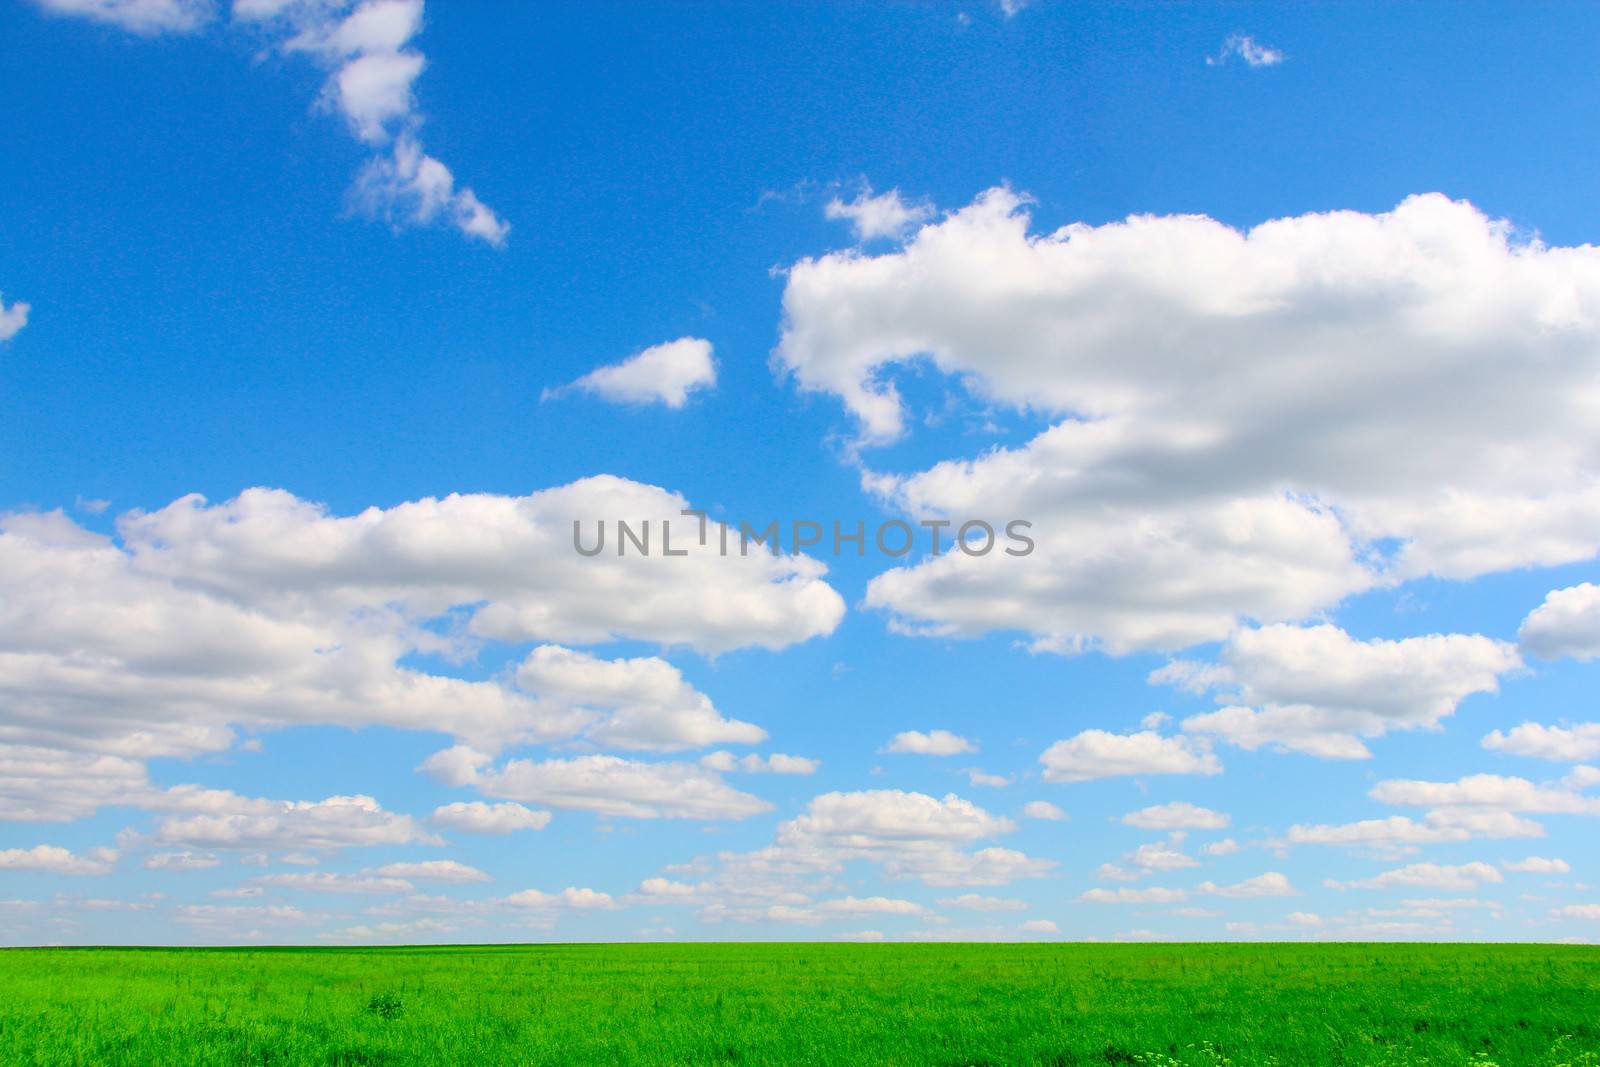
1159,1005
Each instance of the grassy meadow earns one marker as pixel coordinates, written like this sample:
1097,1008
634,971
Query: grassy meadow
824,1004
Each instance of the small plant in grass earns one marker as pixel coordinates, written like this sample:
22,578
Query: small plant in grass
385,1005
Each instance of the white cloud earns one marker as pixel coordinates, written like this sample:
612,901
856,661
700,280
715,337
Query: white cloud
268,610
572,897
980,777
1038,926
1303,918
1158,857
366,49
1166,510
1099,754
611,785
910,835
933,743
870,906
1318,690
883,817
775,763
1566,624
1462,878
1248,49
1226,847
648,703
1179,815
52,859
227,821
180,861
884,215
1152,895
662,374
433,871
144,17
408,187
1562,744
1491,791
975,902
1042,809
480,818
1539,865
1400,832
1271,884
13,318
329,882
239,921
1577,911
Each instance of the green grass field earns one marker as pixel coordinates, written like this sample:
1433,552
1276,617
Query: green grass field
1515,1005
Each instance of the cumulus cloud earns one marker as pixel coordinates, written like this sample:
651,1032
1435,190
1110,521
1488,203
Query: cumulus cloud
1099,754
909,835
1489,791
267,611
143,17
933,743
1398,833
330,882
1042,809
1461,878
1539,865
1271,884
1179,815
450,871
1152,895
976,902
1566,624
775,763
647,702
52,859
611,785
883,215
180,861
13,318
217,819
1318,690
479,818
662,374
1562,744
1166,510
367,50
572,897
1247,49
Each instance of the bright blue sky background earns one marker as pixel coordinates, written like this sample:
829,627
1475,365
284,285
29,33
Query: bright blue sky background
208,316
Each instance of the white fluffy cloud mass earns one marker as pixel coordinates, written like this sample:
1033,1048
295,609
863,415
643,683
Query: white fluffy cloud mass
145,17
1179,815
1100,754
367,48
267,611
1562,744
611,785
53,859
13,318
662,374
479,818
933,743
1566,624
883,215
1408,393
1318,690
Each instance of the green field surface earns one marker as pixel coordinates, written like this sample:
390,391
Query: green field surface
1509,1005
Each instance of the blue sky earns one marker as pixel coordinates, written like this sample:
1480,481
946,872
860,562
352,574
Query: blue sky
326,264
